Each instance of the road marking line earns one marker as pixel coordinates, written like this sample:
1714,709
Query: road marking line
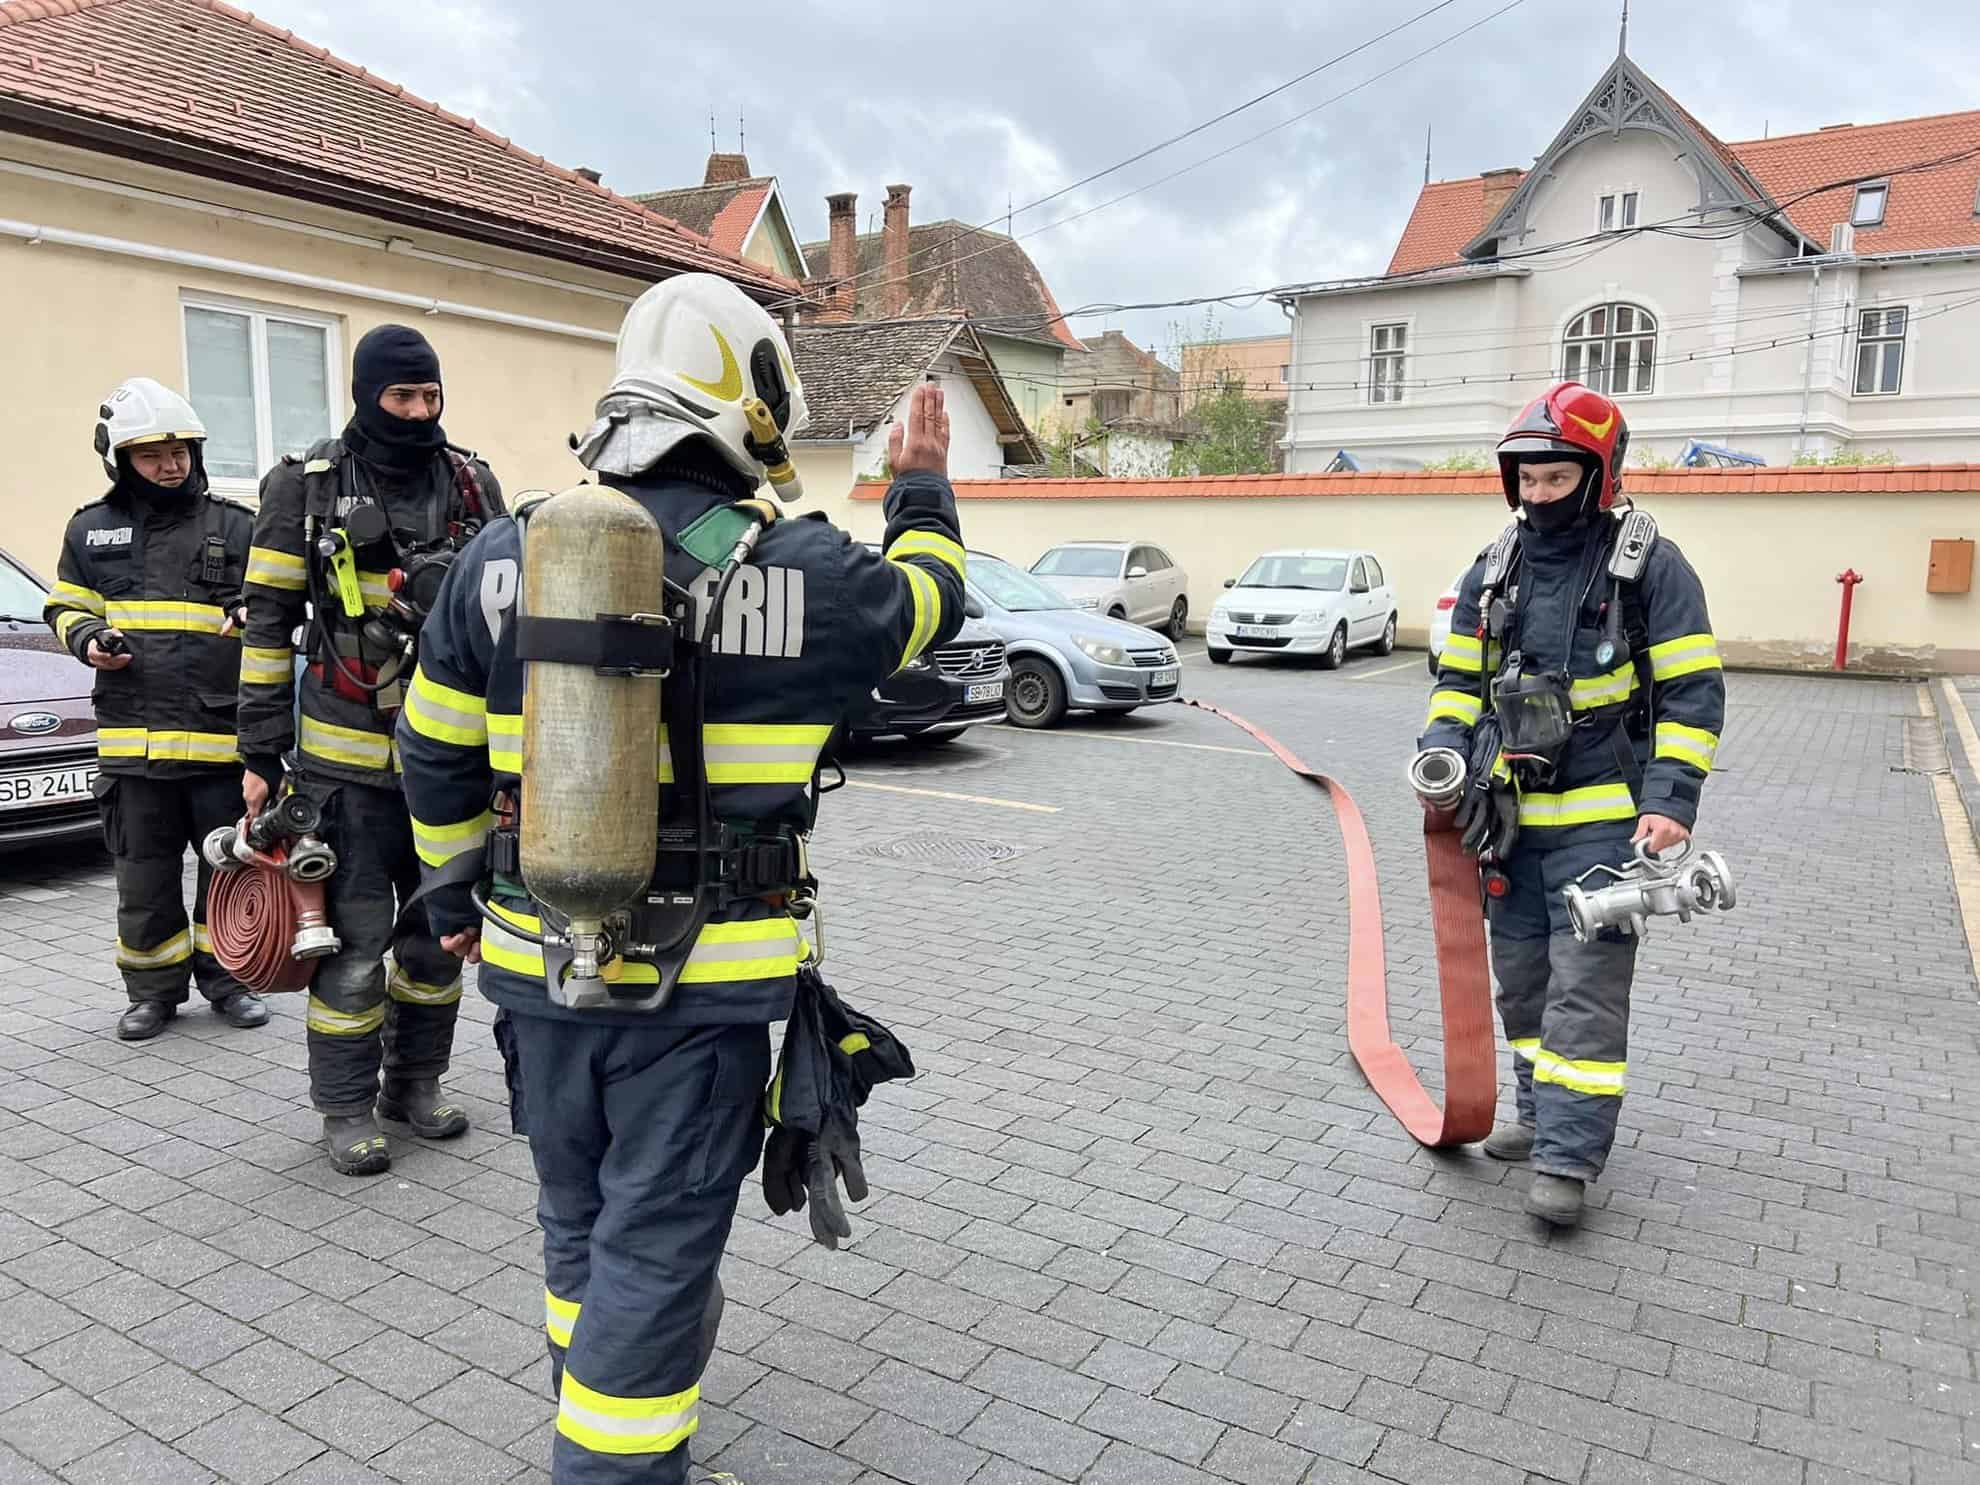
1953,821
1369,675
1150,742
1008,804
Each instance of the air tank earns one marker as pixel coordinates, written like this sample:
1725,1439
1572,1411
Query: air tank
590,743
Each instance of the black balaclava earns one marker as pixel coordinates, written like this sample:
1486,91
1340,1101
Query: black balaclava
163,496
1550,516
386,357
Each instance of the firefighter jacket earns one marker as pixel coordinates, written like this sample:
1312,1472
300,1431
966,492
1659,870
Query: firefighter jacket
814,621
343,734
166,574
1646,726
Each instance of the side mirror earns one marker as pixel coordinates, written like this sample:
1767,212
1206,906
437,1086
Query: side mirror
971,607
1137,572
1230,582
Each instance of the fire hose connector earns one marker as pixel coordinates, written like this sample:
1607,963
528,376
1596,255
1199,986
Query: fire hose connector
1651,886
1437,777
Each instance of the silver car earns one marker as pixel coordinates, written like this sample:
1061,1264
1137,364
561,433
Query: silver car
1063,658
1129,580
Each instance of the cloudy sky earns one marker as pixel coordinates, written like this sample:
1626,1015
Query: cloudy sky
980,106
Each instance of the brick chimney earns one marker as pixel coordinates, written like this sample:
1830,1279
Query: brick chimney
841,259
724,168
894,251
1499,186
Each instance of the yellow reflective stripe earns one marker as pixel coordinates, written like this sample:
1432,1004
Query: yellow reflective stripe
175,747
444,714
272,569
1684,655
857,1041
664,756
318,466
1462,652
403,987
175,950
1693,745
560,1318
1583,1076
724,953
376,587
1604,690
347,745
267,665
120,742
332,1022
67,619
505,742
932,544
202,940
747,753
927,610
1526,1046
167,615
439,844
1456,706
605,1424
1584,806
77,595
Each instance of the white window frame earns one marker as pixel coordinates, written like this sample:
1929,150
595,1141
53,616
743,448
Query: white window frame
1902,341
1396,390
1617,209
258,315
1605,212
1628,207
1614,301
1856,217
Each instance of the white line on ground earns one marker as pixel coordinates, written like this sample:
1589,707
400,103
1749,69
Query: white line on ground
1007,804
1152,742
1953,821
1369,675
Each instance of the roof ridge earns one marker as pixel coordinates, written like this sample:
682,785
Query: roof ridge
18,12
1816,133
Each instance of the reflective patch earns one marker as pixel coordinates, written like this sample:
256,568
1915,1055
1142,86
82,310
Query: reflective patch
1455,706
927,610
439,844
269,568
332,1022
505,742
404,988
267,665
1693,745
932,544
1586,806
1604,690
169,616
84,598
350,746
445,714
1685,655
175,950
606,1424
1465,652
167,746
560,1318
1602,1079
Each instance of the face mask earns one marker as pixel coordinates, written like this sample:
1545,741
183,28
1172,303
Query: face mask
1552,515
390,355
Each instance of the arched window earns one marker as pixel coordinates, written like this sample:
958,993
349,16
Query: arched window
1611,348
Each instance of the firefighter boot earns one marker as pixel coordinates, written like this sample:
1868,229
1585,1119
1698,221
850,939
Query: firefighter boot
1510,1142
244,1009
416,1103
1555,1199
144,1020
356,1147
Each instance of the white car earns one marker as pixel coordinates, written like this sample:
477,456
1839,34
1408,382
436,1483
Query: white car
1440,623
1305,602
1128,580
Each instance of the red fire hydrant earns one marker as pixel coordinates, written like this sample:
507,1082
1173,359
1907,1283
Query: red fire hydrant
1849,578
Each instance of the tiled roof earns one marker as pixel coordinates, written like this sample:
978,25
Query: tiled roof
853,374
1904,479
204,87
722,213
1930,209
956,268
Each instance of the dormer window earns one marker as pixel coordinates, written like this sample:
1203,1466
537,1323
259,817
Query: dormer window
1869,208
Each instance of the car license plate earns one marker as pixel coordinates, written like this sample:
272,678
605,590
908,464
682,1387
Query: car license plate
1167,676
1258,631
984,691
23,791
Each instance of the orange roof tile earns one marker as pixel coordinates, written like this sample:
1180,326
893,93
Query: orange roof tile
202,86
1953,479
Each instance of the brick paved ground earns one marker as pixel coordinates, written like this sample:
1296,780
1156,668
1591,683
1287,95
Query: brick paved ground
1138,1222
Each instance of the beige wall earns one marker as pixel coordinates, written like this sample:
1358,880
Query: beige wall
1257,360
1769,563
78,321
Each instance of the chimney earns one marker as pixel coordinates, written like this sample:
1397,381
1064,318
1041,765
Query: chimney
1499,186
894,249
587,173
841,258
724,168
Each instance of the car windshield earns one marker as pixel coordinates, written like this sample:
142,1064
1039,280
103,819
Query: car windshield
1010,588
20,596
1083,562
1323,574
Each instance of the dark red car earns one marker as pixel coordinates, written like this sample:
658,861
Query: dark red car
47,727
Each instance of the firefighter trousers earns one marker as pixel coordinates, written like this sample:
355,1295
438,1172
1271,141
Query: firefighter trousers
362,1019
1564,1005
642,1138
147,826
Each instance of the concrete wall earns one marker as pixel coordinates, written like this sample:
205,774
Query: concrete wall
1032,375
1768,562
974,453
1257,360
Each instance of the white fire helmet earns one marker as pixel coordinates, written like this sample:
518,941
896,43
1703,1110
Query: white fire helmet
698,357
143,411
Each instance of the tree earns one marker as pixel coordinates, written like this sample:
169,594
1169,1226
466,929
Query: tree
1227,431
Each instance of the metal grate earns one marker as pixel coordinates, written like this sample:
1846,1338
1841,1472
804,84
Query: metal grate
1924,747
942,851
1152,659
972,662
1238,618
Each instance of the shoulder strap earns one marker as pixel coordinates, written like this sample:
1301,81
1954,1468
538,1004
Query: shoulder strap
1501,557
319,477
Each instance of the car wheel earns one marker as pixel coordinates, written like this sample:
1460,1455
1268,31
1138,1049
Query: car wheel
1179,619
1219,657
1388,644
1117,612
1337,651
1432,663
1036,695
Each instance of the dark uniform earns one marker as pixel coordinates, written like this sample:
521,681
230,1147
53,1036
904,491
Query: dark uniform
1565,1004
358,1018
165,570
643,1126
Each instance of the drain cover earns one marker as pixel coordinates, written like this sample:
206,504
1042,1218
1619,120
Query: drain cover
1924,747
942,851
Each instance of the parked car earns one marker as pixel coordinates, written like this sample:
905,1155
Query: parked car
1440,622
1120,580
1063,658
47,725
942,693
1305,602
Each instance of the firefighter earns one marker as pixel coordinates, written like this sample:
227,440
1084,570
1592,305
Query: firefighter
644,1123
1589,701
148,593
350,544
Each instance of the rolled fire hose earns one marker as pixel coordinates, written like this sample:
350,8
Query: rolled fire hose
1464,983
252,914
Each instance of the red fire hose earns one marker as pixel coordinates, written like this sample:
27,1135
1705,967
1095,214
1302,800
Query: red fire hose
1470,1055
252,913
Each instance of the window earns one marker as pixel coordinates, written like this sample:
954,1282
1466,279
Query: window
1629,209
1386,355
1617,211
1880,351
1158,560
1285,374
1360,584
1612,348
1374,572
261,381
1869,208
1608,214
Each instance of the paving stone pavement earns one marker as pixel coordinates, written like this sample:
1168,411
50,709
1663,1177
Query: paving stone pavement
1138,1221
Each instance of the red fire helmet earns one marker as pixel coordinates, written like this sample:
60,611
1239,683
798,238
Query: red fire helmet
1573,422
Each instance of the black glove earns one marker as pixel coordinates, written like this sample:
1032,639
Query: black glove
783,1170
268,768
800,1171
1488,818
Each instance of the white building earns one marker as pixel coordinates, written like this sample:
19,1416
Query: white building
1713,288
